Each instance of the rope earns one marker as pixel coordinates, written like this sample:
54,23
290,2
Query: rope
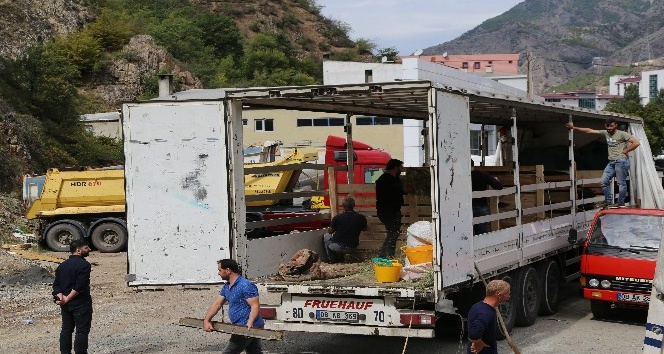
511,343
410,325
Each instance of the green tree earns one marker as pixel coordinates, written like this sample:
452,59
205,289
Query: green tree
390,53
222,34
629,104
111,29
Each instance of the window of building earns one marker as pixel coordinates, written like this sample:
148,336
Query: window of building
264,125
245,122
476,65
368,76
587,103
653,87
552,99
320,122
370,120
475,142
510,62
490,62
304,122
464,65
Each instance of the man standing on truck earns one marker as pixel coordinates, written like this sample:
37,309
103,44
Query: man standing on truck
71,291
618,165
243,308
482,330
389,199
343,235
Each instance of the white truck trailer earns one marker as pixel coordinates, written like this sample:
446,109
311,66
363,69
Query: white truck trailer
186,207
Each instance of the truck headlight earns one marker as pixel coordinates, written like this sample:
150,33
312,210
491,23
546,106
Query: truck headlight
605,284
593,283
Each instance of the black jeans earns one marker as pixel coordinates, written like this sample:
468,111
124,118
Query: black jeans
77,316
392,222
238,343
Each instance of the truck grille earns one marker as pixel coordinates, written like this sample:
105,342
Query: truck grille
630,286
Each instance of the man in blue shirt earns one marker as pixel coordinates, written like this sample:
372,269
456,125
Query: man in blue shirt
243,307
71,291
482,319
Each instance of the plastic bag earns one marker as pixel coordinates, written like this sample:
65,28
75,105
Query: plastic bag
412,272
419,233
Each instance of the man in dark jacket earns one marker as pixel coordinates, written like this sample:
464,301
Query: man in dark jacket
71,291
482,331
389,199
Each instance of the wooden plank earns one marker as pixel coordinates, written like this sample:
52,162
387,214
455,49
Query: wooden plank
38,256
266,334
539,173
286,221
248,169
332,182
279,196
356,188
359,200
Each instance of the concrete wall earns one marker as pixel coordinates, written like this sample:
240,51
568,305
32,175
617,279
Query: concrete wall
386,137
341,72
106,124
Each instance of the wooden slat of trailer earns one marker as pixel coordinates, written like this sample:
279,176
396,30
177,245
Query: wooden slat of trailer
356,188
278,196
286,221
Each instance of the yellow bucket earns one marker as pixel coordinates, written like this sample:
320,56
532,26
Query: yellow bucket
388,274
419,254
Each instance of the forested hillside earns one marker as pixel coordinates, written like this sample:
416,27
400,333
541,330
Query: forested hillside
63,58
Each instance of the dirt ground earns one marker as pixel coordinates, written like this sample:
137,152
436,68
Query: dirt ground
124,320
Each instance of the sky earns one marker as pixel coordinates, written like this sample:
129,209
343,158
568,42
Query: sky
409,25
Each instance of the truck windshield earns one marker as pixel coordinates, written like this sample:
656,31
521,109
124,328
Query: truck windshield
641,232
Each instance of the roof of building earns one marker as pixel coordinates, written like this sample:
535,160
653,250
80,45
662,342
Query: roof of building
577,95
467,57
629,79
99,117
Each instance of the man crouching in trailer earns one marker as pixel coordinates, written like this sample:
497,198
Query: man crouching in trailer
618,165
243,308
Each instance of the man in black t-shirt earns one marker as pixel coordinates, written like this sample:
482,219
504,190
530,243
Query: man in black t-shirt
343,235
482,326
389,199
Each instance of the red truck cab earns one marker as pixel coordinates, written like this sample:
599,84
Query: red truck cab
618,258
368,163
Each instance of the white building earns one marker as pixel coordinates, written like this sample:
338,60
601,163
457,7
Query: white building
106,124
618,83
651,83
581,99
414,68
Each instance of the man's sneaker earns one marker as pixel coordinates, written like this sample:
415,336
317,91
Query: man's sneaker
602,205
616,205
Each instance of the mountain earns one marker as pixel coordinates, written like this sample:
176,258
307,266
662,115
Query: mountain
565,35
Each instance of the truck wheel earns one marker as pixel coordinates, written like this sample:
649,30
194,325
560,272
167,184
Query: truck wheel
109,237
527,287
600,309
549,277
59,236
508,309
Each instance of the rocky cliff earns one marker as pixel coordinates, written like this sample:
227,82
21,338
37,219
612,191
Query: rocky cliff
567,38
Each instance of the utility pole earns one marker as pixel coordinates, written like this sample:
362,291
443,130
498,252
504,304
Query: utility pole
529,88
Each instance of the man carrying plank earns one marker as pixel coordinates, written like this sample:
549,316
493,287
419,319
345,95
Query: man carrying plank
243,308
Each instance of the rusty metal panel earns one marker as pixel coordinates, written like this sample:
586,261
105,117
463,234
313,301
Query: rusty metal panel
455,228
177,191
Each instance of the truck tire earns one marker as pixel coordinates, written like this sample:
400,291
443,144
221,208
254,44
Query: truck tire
109,237
549,277
60,235
508,309
600,309
528,289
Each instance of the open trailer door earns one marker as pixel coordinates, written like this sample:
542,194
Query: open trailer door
177,191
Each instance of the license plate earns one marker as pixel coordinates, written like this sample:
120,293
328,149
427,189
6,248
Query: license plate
342,316
633,297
